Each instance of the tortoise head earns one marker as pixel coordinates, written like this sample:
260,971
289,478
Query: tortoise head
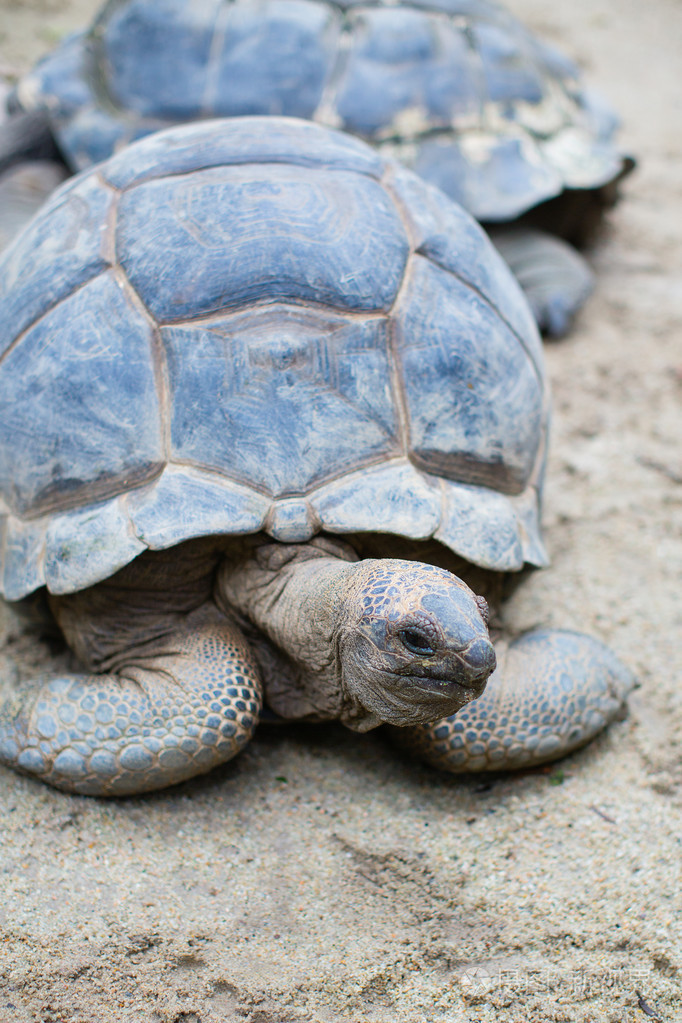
414,646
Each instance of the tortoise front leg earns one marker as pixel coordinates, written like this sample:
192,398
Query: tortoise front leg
178,707
554,277
552,692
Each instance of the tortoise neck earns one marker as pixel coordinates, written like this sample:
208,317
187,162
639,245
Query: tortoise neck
294,596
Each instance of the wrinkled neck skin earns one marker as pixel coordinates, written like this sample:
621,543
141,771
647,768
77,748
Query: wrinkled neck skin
325,656
294,595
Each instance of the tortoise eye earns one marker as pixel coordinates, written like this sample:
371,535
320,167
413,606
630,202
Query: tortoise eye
415,641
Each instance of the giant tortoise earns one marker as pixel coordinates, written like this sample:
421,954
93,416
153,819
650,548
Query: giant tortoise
262,393
458,90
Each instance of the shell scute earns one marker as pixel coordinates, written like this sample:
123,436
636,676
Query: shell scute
454,347
87,544
394,497
92,135
448,236
207,144
481,525
78,406
452,87
472,170
158,511
291,235
508,69
281,399
275,58
400,67
134,41
60,78
62,248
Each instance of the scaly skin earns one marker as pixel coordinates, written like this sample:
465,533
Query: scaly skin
341,625
174,687
190,703
554,277
553,691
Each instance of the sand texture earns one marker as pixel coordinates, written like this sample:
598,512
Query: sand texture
322,878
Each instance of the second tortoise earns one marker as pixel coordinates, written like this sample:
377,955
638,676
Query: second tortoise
458,90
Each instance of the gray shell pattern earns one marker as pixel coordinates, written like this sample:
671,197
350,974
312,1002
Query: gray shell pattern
458,90
248,325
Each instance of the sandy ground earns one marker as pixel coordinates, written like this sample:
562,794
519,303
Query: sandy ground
320,877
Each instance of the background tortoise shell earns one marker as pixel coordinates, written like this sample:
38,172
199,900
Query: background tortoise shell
457,89
245,325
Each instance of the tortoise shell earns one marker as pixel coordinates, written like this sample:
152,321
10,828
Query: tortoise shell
458,90
260,324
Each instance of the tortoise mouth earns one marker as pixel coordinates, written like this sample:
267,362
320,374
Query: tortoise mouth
468,690
463,669
418,700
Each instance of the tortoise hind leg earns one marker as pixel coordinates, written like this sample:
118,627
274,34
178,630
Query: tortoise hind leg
552,692
555,279
31,167
23,190
177,707
27,135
